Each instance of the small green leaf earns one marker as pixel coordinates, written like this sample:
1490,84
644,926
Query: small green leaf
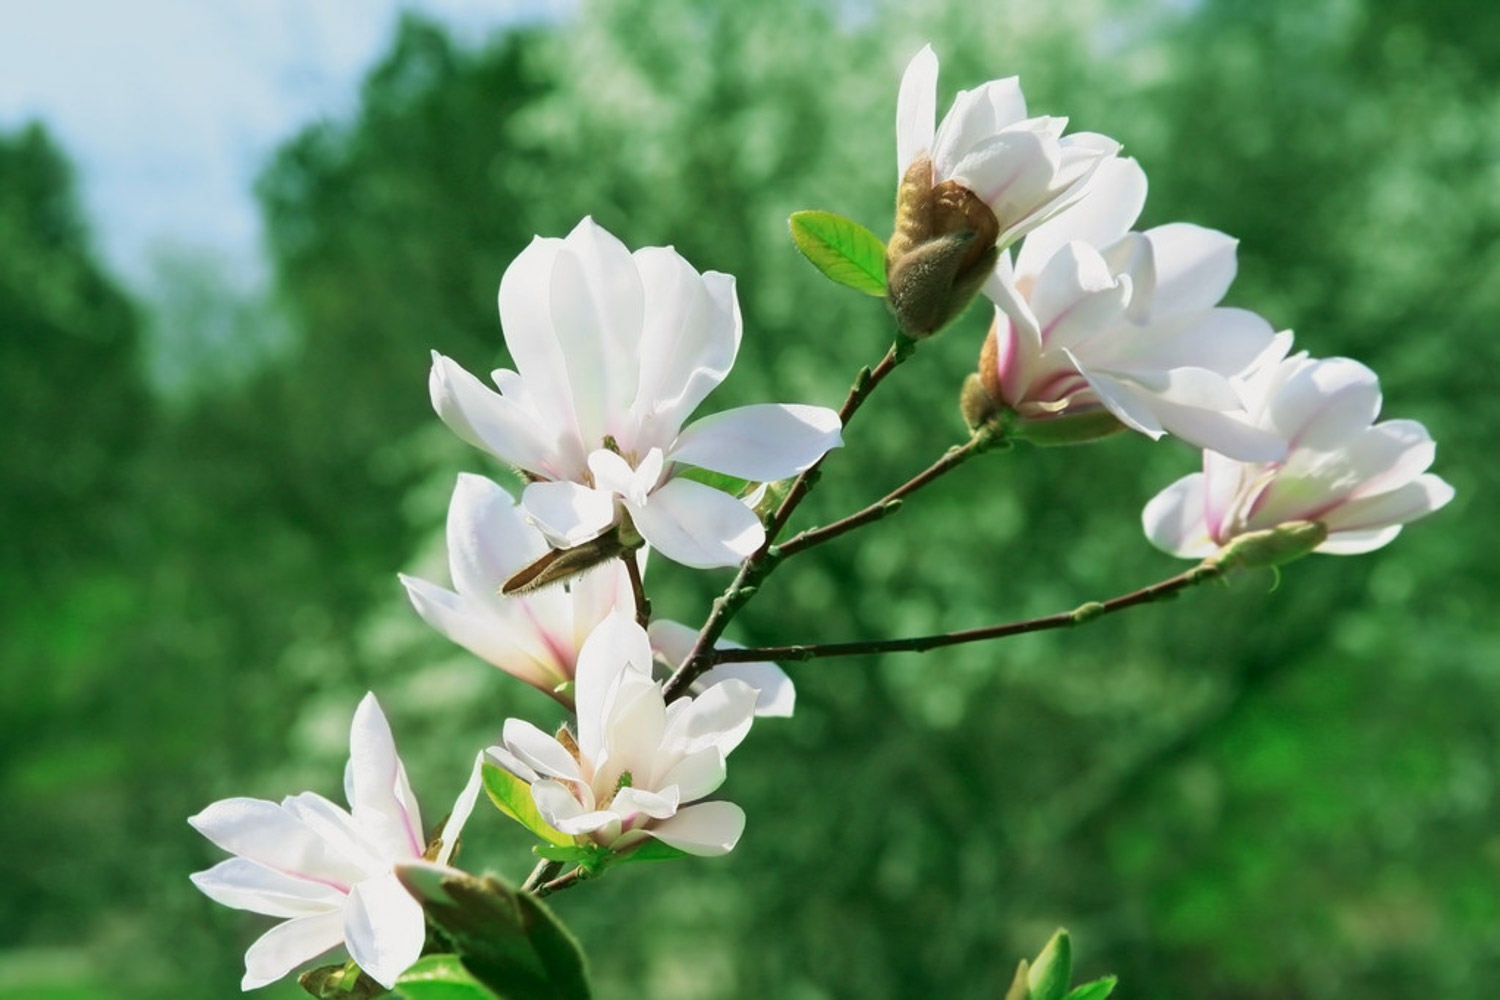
651,850
441,977
1097,990
842,249
1053,969
512,796
340,982
589,856
732,485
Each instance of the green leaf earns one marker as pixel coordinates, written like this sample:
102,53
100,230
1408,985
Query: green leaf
732,485
842,249
512,796
1052,970
441,977
589,856
340,982
651,850
507,940
1097,990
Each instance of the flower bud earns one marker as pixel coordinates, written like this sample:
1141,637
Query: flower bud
1052,971
982,400
1273,546
942,251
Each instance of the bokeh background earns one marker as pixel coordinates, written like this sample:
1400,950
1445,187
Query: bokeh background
214,467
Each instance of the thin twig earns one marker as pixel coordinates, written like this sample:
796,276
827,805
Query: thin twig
638,588
764,560
561,882
920,644
983,440
540,875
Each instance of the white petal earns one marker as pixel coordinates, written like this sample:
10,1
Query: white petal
776,695
380,797
1357,543
975,118
489,540
1389,455
1011,172
1076,298
760,443
249,885
490,421
618,644
565,813
272,835
463,807
384,928
597,304
633,732
719,717
696,775
698,526
530,336
1326,403
630,802
1173,519
1194,267
567,513
916,108
1113,203
538,751
1414,500
707,829
689,342
287,945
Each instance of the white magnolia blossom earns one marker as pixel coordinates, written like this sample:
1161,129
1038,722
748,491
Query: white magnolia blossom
328,870
1092,317
1358,479
613,352
535,637
1023,168
637,762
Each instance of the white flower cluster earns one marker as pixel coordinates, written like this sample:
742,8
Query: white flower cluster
1097,328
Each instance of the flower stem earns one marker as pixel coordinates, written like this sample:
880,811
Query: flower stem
920,644
561,882
540,875
761,562
637,588
983,440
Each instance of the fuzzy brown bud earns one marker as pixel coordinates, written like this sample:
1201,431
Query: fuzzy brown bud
942,251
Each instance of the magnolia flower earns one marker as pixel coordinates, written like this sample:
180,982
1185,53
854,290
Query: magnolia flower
636,762
1024,169
613,352
1098,327
535,637
329,870
1358,480
983,179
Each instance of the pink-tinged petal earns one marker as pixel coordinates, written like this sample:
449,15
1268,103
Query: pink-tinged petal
707,829
380,797
384,928
463,807
249,885
1194,267
760,443
916,108
274,836
599,592
514,642
568,514
1226,341
1011,172
597,304
617,645
719,717
689,342
1325,404
698,526
489,540
489,421
1398,506
288,945
630,802
336,828
1105,214
540,752
1357,543
976,116
1127,402
1173,519
696,775
1228,433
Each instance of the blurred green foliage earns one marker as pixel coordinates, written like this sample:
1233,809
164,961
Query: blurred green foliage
1258,792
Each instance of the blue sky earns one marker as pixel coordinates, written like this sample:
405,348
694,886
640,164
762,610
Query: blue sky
169,108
